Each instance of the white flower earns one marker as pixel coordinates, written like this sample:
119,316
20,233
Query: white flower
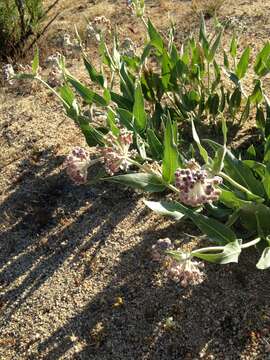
186,271
77,164
116,153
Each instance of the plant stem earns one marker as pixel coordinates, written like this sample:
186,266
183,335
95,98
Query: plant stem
51,89
220,248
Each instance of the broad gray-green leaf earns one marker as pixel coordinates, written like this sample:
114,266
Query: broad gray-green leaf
266,180
154,144
229,199
255,218
229,254
88,95
264,261
164,208
242,65
155,38
140,117
240,172
141,181
171,156
35,62
211,227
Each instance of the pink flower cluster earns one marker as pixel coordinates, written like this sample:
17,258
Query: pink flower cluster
184,271
115,153
196,188
77,164
158,250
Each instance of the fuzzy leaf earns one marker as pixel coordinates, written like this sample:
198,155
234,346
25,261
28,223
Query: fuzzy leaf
242,66
140,117
264,262
164,208
171,156
229,254
141,181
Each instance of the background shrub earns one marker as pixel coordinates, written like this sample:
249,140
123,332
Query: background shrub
19,19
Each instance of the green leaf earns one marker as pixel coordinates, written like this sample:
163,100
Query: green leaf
126,118
88,95
239,172
215,46
255,218
165,69
112,123
233,47
256,166
211,227
235,100
154,144
230,199
155,38
230,253
164,208
146,51
95,76
260,119
213,104
35,62
225,60
266,180
171,157
257,95
121,101
92,136
242,65
127,83
141,181
264,261
262,62
245,113
196,138
140,117
66,94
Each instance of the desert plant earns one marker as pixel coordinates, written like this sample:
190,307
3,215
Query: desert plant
19,20
228,196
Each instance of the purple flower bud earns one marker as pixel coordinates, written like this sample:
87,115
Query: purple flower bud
196,188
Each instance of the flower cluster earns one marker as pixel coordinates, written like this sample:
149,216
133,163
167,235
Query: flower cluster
196,188
185,271
98,26
53,59
71,48
115,153
77,164
101,24
55,77
8,73
127,48
158,250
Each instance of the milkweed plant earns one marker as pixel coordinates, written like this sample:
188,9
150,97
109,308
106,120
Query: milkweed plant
134,114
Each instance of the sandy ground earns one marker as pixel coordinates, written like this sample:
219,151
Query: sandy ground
76,276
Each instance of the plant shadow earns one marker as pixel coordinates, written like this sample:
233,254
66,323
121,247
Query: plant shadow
46,219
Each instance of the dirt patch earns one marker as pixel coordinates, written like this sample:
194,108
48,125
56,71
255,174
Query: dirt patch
76,276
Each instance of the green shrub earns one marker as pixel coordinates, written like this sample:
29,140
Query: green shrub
19,20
